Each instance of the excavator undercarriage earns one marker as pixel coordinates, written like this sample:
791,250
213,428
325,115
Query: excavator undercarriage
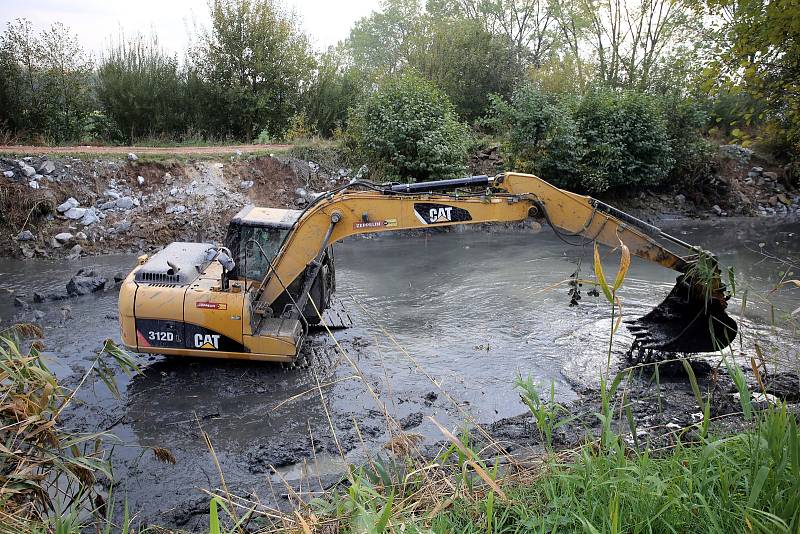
257,296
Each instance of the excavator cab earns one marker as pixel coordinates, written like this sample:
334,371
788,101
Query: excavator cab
255,236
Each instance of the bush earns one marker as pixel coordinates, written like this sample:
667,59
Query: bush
602,141
541,135
695,157
626,138
409,131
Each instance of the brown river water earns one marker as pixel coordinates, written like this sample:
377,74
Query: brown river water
464,312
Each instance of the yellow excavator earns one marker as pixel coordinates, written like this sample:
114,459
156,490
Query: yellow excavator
256,297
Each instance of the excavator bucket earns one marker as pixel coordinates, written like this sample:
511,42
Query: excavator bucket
691,319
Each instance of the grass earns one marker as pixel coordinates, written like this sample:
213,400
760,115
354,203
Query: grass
159,157
745,482
48,475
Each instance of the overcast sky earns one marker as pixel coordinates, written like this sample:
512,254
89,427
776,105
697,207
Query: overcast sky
326,22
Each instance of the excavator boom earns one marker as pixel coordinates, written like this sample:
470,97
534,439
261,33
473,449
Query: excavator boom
284,274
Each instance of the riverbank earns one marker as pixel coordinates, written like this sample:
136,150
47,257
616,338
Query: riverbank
65,206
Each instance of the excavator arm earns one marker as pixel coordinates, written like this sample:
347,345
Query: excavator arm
691,319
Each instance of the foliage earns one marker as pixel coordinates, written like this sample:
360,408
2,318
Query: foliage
759,44
335,88
725,483
408,130
459,54
694,156
45,90
548,414
600,141
142,89
47,473
626,139
253,62
541,135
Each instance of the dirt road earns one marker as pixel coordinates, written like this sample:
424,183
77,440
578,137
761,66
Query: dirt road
183,150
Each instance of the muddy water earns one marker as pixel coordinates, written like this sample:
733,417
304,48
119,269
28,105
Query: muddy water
463,313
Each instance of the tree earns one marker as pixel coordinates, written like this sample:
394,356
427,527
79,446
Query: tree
760,54
457,53
409,131
334,89
528,24
257,61
142,89
382,43
46,81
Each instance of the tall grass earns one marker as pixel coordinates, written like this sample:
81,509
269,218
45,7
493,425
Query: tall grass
48,475
746,482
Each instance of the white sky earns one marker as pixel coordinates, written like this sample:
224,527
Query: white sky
94,21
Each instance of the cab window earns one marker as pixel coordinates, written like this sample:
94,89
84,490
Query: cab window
255,248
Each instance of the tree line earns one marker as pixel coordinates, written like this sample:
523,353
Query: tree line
731,66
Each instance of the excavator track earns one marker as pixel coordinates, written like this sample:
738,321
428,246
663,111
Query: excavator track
335,316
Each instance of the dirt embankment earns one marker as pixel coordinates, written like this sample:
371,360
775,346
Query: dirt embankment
51,207
67,206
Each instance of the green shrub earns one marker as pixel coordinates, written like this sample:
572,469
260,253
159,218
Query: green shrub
626,138
695,157
541,137
409,131
604,140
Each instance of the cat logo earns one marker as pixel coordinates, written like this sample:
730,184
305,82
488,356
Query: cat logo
430,213
441,214
206,341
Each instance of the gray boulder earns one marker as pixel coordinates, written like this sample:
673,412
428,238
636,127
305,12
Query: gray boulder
89,218
33,184
126,203
8,174
132,157
25,235
75,213
27,170
63,238
122,226
84,282
75,252
46,167
110,205
176,208
68,205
